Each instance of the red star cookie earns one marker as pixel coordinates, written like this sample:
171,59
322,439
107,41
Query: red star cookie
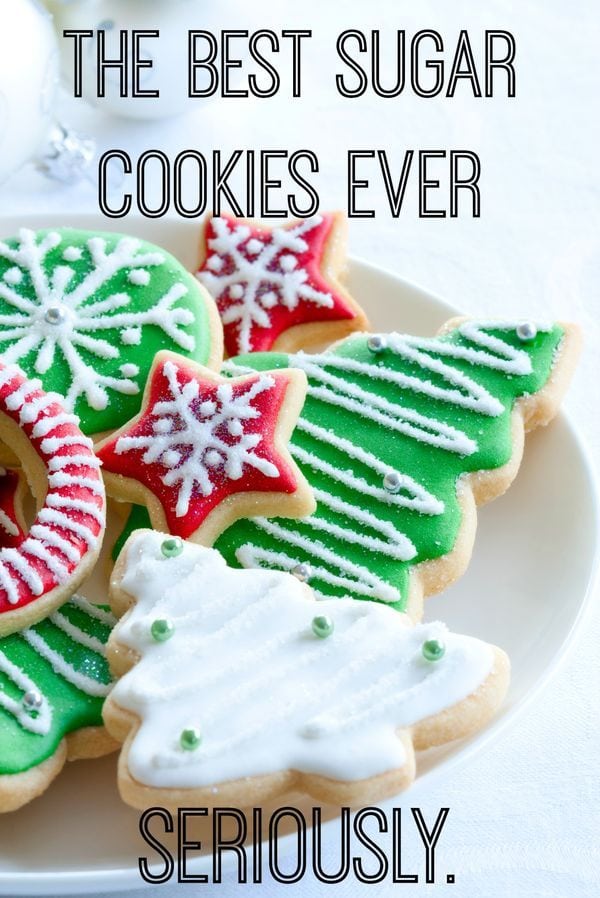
279,288
12,525
206,450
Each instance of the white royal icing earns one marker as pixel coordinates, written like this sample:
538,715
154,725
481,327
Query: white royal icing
332,382
245,668
84,316
273,264
186,436
7,524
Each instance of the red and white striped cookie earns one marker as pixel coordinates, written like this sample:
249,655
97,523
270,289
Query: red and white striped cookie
63,543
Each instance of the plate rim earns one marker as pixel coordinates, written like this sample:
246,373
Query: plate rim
128,878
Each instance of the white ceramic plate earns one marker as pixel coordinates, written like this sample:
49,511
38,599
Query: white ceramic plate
79,837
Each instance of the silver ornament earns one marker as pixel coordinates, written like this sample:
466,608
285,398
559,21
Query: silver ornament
377,343
28,82
391,482
54,315
32,700
67,157
527,331
302,572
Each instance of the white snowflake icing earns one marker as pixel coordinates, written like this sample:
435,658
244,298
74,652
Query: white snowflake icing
261,275
73,319
186,438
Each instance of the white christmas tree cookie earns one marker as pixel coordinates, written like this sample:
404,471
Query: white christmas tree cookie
246,688
86,313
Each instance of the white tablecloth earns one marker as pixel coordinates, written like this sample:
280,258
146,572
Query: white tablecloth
524,814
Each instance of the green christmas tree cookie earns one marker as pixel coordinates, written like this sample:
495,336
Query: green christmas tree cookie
391,428
54,678
86,313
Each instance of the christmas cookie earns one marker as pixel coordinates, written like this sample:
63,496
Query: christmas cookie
42,571
400,437
87,312
279,288
12,524
53,681
206,450
328,699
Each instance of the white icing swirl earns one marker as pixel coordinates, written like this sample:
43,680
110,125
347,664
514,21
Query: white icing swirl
245,668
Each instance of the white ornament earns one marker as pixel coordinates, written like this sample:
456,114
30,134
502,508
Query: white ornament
168,53
74,319
28,82
186,439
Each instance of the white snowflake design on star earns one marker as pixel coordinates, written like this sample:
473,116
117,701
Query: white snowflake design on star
56,316
264,274
186,440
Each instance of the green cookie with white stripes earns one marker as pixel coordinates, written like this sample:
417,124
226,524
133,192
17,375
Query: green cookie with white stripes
401,437
54,678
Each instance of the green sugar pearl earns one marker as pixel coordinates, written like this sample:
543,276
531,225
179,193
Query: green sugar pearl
190,739
172,547
162,629
322,626
433,650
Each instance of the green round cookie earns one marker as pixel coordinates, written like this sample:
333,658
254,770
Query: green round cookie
87,312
